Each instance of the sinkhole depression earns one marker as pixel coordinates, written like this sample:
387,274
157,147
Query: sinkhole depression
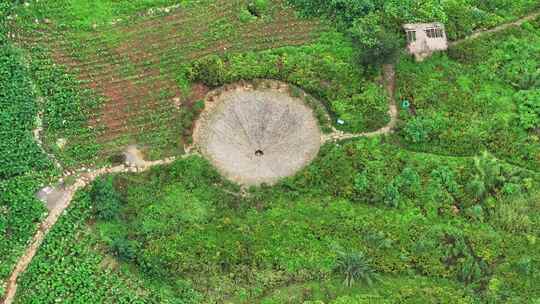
257,135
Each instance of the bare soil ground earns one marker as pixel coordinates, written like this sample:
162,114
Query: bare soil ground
256,136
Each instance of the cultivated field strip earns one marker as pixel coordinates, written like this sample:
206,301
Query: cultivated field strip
133,65
151,53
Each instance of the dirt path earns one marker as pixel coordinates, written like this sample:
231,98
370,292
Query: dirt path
140,165
390,85
389,75
61,204
499,28
135,163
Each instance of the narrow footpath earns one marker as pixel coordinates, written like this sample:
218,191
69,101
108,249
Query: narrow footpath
62,203
496,29
82,179
389,76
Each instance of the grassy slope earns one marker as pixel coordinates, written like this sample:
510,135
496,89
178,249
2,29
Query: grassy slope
242,250
23,166
471,99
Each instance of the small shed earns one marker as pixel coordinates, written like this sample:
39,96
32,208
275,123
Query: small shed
425,38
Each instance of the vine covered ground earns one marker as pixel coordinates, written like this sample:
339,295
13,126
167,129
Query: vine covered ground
426,191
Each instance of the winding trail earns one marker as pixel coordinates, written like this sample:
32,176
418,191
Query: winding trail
389,77
82,179
136,164
496,29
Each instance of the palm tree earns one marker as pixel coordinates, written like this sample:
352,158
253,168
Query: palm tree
489,175
528,81
355,266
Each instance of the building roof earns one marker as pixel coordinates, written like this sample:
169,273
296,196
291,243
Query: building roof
420,26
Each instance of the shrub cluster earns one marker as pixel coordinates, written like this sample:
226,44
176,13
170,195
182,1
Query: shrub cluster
106,200
482,96
375,25
325,70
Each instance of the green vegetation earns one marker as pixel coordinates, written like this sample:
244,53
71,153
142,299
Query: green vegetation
71,248
324,69
444,210
66,112
461,17
257,7
84,15
311,228
23,165
20,153
355,267
375,25
482,95
117,63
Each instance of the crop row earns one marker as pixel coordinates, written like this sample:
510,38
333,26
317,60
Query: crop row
133,32
146,54
102,71
133,66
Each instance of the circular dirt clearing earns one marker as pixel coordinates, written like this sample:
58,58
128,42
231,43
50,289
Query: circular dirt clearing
257,136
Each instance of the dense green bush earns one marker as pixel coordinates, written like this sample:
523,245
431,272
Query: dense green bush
325,69
5,9
106,200
210,70
471,100
257,7
20,153
124,249
491,178
355,267
375,43
424,129
529,108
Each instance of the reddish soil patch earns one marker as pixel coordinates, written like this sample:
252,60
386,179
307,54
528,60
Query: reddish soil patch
198,92
115,107
137,75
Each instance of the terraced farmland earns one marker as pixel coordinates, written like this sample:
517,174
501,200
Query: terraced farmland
132,65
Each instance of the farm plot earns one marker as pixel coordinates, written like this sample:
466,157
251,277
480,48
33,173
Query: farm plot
132,65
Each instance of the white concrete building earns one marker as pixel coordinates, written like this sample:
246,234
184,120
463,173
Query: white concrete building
425,38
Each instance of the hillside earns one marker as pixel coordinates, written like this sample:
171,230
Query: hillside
268,151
